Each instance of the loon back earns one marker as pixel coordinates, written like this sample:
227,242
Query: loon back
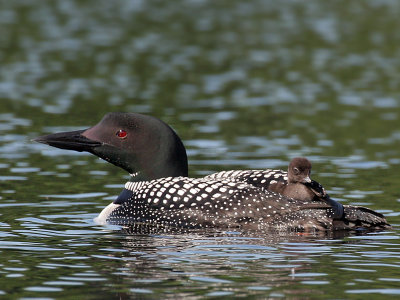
181,202
337,216
295,183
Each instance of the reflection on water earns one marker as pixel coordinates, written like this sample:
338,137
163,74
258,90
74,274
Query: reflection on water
227,263
247,85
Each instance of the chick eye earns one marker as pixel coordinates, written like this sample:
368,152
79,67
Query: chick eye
121,134
296,170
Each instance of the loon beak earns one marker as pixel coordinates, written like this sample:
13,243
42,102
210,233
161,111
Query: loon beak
307,179
70,140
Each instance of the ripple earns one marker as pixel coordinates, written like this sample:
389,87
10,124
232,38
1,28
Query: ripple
14,275
15,269
75,196
308,274
58,266
84,279
286,266
259,288
375,237
219,294
358,270
209,279
316,282
63,283
12,178
35,220
24,170
26,246
383,291
141,291
43,289
236,247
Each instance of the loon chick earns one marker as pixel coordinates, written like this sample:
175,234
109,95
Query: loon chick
160,193
296,183
300,186
298,174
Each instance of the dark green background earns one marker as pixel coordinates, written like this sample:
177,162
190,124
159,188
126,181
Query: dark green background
246,84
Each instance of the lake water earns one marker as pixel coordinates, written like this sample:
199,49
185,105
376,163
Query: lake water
247,85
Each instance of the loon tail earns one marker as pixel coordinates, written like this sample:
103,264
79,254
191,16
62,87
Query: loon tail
326,217
358,217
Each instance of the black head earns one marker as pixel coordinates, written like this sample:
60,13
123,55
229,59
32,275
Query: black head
137,143
299,170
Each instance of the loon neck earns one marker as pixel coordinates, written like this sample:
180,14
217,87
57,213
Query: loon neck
133,186
137,177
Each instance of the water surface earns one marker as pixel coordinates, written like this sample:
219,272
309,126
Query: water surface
246,85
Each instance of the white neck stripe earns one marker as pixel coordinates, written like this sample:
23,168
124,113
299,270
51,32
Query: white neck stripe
133,186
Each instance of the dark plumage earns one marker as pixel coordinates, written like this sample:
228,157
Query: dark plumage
299,171
159,194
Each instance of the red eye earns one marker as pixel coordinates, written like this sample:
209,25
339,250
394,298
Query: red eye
121,133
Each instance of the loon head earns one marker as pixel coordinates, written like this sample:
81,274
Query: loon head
140,144
299,170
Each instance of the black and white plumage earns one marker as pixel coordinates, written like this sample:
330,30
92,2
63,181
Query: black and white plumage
160,194
258,178
295,183
203,203
198,203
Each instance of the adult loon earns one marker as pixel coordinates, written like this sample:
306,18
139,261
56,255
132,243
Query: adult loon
159,192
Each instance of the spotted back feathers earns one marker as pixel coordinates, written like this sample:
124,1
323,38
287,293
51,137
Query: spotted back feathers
202,203
258,178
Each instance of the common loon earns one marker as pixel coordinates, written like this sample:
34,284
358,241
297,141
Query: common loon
159,192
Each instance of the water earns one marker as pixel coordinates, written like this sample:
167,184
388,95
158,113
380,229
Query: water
246,85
